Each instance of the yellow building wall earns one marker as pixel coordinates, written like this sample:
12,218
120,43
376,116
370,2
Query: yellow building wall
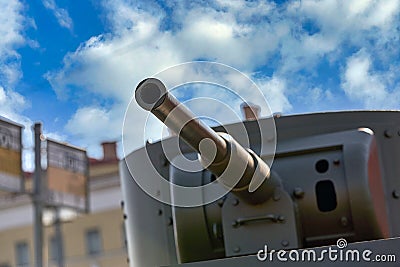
109,223
8,240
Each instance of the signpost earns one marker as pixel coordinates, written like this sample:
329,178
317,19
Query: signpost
37,197
10,157
66,184
67,176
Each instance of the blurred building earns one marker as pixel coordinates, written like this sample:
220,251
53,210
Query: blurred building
96,239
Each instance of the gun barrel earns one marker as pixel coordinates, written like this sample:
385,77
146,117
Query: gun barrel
152,95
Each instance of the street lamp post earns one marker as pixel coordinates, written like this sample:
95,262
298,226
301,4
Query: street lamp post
37,199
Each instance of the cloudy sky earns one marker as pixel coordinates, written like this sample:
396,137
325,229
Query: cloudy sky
73,65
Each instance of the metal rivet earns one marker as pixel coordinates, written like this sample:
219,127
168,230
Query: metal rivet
396,194
298,192
236,249
277,195
285,243
169,221
388,133
235,202
235,223
221,202
344,221
125,216
336,162
281,218
159,212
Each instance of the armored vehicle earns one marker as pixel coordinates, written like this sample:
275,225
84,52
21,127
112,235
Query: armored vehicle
334,181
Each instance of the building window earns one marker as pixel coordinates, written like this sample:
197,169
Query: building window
53,248
93,242
22,254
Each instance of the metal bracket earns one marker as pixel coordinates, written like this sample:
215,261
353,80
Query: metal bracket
248,228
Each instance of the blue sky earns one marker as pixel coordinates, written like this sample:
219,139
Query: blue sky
73,65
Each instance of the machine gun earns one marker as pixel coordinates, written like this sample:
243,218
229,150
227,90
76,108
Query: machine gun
335,175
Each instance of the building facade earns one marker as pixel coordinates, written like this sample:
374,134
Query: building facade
95,239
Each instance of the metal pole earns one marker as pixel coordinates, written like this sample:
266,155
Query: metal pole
37,199
59,238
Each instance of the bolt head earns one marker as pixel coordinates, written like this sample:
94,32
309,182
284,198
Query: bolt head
281,218
298,192
277,195
236,249
388,134
344,221
235,202
170,221
396,194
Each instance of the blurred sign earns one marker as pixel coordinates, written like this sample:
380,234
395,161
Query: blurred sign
67,176
10,157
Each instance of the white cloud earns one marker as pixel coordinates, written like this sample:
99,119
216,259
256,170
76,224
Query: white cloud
383,13
138,48
11,103
219,36
61,14
362,83
111,65
371,24
247,35
349,15
92,124
11,26
275,92
82,122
